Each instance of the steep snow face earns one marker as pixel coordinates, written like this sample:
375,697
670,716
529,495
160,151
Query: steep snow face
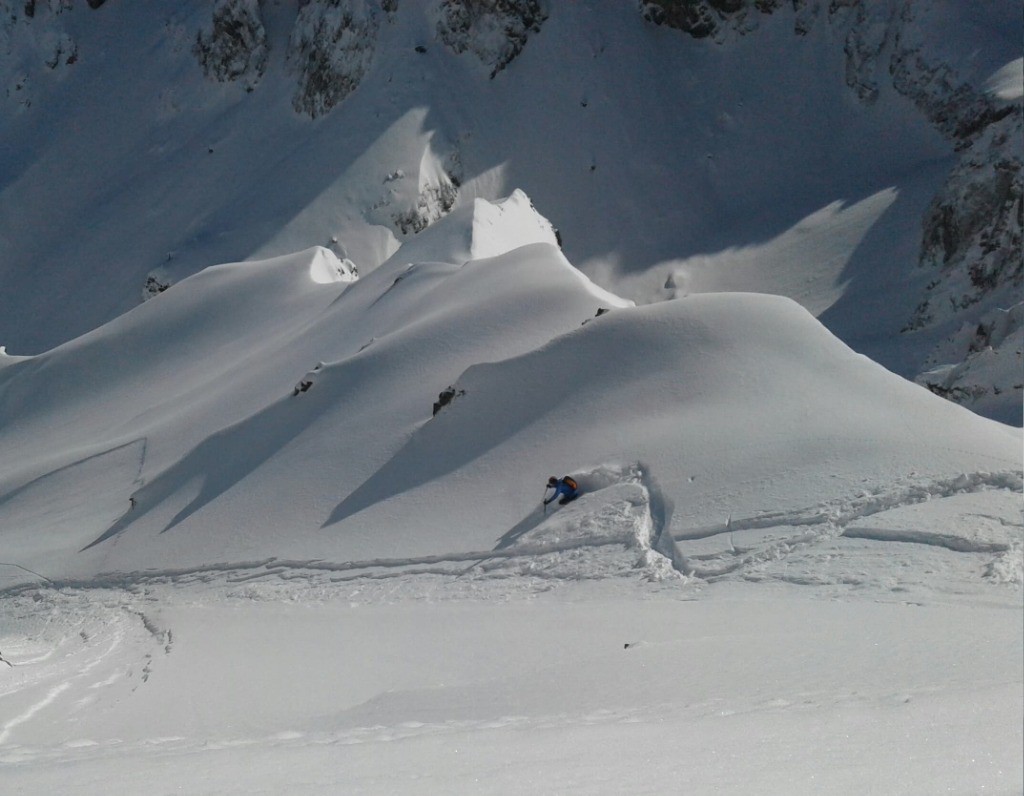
971,244
200,370
240,538
354,125
266,396
706,391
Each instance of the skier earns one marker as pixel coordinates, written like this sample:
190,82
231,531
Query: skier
566,487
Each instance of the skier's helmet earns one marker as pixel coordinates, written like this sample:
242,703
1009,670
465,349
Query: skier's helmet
552,481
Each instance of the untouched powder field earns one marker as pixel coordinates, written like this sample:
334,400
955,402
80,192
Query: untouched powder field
291,682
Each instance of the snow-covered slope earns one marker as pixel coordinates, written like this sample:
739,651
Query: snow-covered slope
278,520
816,150
287,378
264,410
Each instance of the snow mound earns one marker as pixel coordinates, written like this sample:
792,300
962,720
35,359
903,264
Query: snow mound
326,268
479,230
711,390
307,412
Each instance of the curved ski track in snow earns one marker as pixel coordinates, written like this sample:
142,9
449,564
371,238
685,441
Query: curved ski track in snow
630,540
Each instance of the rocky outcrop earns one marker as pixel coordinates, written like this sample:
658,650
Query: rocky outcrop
331,49
699,18
446,396
233,46
33,43
982,365
411,202
157,281
713,19
495,31
971,238
432,203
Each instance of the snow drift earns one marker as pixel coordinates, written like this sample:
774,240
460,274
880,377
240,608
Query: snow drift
262,410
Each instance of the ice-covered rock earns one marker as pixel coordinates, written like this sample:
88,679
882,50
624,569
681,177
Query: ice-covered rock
982,365
233,44
331,48
34,40
714,19
495,31
972,233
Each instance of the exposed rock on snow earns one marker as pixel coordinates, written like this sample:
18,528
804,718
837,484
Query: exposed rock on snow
445,397
326,267
156,283
972,233
433,202
870,34
495,31
306,382
982,365
699,18
233,46
411,202
972,242
713,18
32,38
331,48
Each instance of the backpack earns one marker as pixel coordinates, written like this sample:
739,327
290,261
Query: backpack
570,482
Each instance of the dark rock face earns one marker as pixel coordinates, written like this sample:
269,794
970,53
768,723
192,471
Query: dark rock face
971,240
713,19
156,283
972,233
982,366
699,18
433,203
234,45
446,396
496,31
331,48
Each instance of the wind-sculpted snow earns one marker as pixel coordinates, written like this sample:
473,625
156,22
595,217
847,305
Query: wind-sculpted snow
268,397
213,575
647,148
280,529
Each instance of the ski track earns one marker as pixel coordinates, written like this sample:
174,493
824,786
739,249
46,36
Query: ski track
83,635
84,748
615,552
830,521
115,603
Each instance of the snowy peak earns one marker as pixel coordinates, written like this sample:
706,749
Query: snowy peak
248,130
325,268
282,395
500,227
478,230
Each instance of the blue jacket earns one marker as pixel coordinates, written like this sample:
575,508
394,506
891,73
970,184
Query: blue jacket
562,488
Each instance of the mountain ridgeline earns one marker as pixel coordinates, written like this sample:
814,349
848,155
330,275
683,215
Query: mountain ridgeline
369,120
